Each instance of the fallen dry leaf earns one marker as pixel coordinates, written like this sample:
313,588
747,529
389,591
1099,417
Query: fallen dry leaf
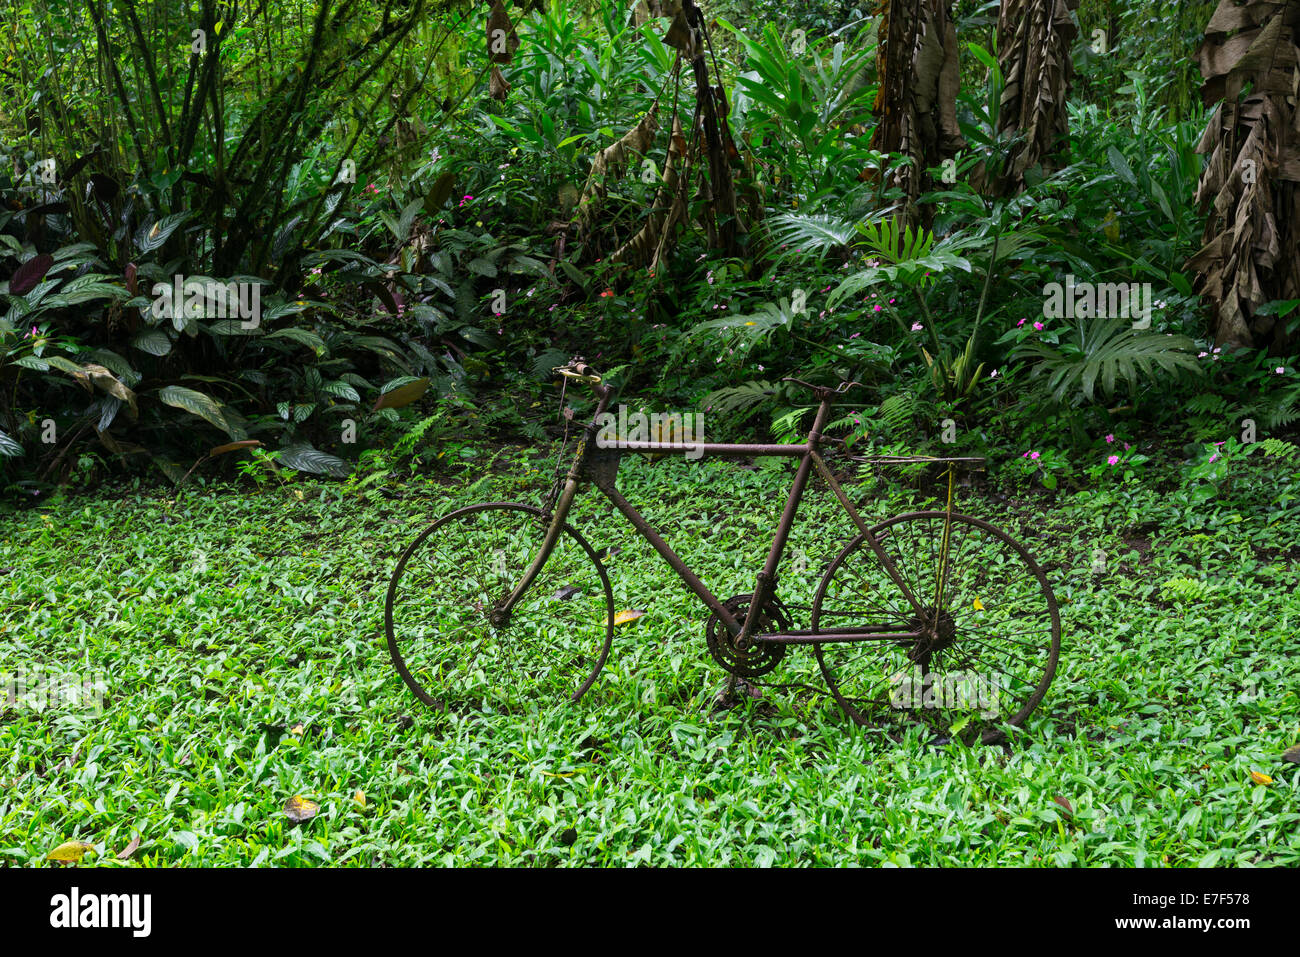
299,809
69,852
623,617
1064,803
1260,778
1292,754
126,852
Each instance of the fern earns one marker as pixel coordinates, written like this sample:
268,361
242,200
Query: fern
1186,589
1280,449
740,398
1284,412
545,363
406,445
898,412
747,331
1109,352
1209,403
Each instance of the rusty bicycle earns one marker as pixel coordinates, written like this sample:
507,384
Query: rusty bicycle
931,615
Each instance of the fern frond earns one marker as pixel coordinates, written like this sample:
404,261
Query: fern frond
1207,402
1186,589
1280,448
747,331
816,233
739,398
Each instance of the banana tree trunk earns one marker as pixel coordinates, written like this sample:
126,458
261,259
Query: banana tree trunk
917,102
1251,185
1034,43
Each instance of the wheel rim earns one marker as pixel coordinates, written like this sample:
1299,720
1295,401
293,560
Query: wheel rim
991,644
448,638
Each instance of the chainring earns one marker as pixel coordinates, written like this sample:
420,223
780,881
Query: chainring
758,658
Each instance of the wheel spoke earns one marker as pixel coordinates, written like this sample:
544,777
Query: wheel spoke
1011,646
448,583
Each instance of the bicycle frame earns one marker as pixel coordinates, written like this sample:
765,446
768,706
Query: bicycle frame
743,632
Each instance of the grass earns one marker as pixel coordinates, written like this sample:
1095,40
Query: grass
241,644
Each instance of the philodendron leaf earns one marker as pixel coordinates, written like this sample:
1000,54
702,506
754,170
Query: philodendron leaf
154,341
404,394
304,458
9,447
204,406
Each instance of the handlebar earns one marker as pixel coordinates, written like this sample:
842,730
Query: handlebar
818,390
577,368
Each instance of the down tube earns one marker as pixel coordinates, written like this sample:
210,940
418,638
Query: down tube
689,577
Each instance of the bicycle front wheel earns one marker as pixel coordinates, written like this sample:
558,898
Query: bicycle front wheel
455,645
991,624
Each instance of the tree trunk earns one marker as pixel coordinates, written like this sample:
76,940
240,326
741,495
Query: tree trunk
1251,186
1034,44
917,102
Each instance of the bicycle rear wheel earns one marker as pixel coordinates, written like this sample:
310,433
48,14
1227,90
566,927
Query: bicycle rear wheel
448,637
994,631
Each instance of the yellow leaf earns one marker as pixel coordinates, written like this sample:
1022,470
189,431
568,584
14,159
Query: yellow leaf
623,617
297,729
1110,226
1260,778
216,27
299,809
70,852
298,492
402,395
359,798
978,605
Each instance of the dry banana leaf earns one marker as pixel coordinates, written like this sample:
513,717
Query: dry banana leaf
918,68
1034,44
612,162
1250,188
502,41
498,85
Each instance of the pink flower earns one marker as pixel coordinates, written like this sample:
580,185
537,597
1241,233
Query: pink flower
1279,370
875,308
917,327
1213,457
993,374
1030,455
1020,323
1110,438
1112,460
1038,326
